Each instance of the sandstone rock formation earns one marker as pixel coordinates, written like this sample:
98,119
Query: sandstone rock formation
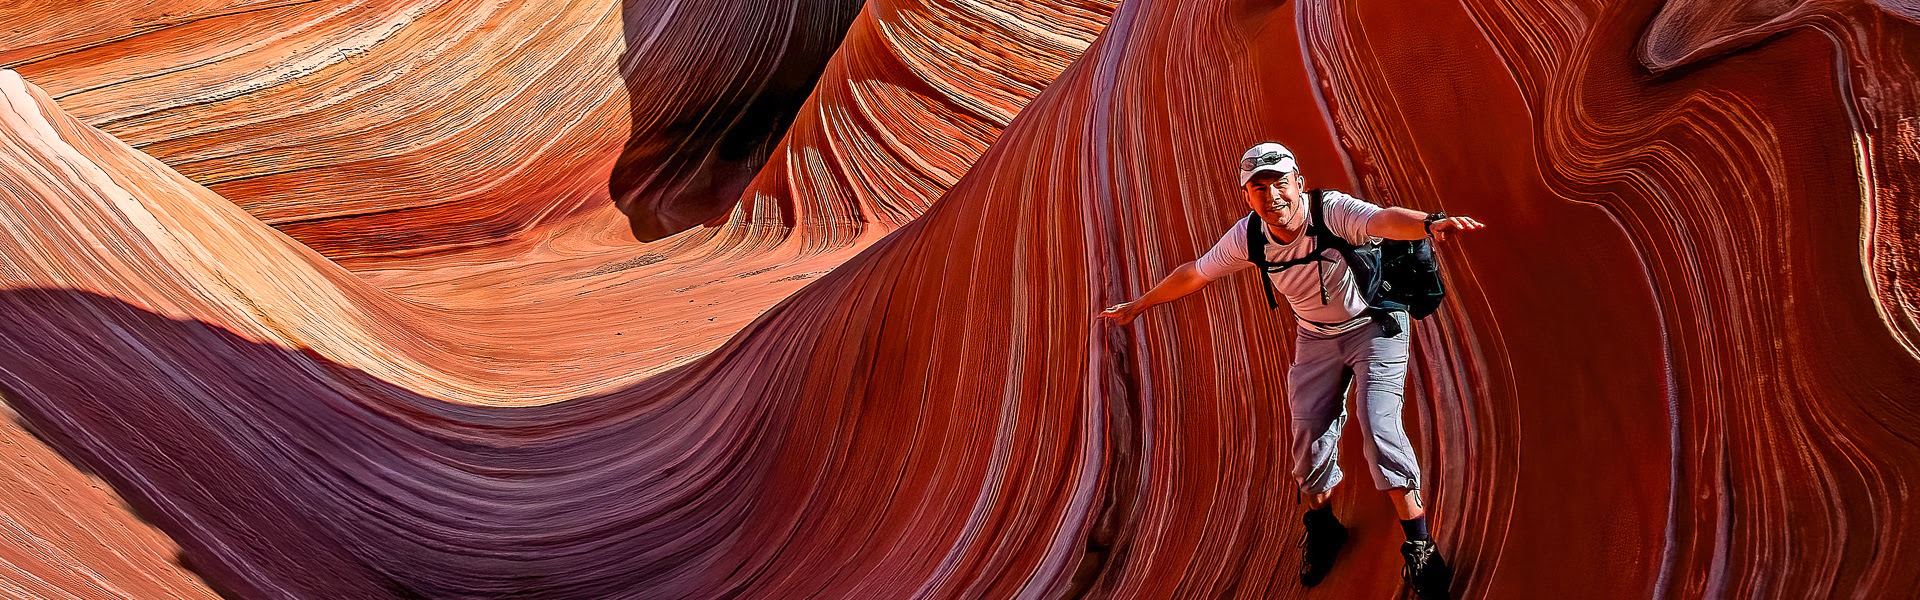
723,298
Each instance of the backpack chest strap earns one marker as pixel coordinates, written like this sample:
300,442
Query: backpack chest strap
1319,255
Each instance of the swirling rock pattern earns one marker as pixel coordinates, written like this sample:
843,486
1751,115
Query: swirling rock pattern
388,358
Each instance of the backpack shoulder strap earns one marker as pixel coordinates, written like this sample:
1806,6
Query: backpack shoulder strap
1323,236
1256,243
1257,254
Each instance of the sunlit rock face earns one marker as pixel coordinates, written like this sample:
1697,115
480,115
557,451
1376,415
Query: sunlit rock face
782,299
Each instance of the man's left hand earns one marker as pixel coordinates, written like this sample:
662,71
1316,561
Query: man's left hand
1442,227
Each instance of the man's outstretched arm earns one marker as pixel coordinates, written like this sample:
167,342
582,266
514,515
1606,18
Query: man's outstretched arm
1182,281
1396,223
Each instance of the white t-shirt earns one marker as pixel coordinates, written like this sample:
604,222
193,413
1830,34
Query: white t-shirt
1347,217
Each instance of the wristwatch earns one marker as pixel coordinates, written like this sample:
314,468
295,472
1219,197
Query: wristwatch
1433,218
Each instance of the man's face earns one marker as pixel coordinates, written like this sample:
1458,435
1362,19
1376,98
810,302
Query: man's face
1275,197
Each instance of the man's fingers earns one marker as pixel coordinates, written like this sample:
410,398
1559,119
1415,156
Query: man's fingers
1455,223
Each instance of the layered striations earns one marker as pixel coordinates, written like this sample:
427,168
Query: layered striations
344,297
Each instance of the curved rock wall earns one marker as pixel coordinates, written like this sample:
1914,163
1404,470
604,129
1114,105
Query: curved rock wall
1680,363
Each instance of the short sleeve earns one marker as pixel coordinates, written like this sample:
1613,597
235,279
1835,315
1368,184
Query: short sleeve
1347,216
1228,255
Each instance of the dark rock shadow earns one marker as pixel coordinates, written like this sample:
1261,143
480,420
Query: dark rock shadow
283,474
708,106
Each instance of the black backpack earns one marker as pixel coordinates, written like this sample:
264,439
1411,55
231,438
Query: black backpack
1393,275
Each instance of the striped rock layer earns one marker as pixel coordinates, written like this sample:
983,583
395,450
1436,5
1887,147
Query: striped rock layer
705,298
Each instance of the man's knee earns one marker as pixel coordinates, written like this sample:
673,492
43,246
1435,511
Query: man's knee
1394,463
1319,396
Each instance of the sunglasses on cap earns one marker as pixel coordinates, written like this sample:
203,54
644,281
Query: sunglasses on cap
1254,162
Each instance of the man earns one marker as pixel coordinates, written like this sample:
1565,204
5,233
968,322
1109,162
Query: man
1338,341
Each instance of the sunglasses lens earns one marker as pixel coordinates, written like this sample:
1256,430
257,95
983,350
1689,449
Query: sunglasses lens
1249,164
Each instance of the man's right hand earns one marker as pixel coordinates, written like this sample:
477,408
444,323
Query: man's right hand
1122,313
1182,281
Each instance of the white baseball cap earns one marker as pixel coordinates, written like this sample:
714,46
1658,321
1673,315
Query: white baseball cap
1266,156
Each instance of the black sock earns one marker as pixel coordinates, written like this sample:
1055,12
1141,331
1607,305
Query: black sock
1323,514
1416,528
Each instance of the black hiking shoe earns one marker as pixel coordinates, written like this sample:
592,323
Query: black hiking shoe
1426,573
1322,543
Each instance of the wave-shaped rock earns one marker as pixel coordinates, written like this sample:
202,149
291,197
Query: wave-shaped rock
1680,363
